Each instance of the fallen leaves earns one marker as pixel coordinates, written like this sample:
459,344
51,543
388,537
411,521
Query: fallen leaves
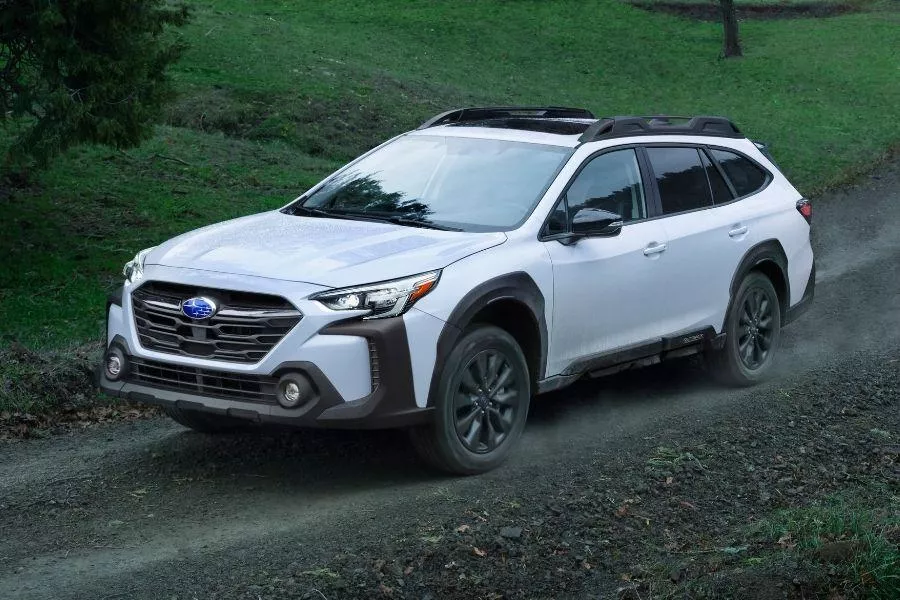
20,425
786,541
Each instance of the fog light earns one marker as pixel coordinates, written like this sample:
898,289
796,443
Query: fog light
291,393
115,364
294,390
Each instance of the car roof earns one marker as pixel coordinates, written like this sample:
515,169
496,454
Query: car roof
552,132
569,127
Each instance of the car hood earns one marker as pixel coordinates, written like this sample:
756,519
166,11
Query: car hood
321,251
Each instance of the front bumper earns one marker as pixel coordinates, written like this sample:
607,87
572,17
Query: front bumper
390,405
362,371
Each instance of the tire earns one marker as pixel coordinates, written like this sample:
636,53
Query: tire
206,422
752,333
477,422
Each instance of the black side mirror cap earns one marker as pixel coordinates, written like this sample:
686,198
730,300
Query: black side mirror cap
594,222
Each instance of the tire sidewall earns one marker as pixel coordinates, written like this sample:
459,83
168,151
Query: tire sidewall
741,372
456,455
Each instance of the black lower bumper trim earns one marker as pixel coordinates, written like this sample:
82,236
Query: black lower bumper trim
794,312
390,405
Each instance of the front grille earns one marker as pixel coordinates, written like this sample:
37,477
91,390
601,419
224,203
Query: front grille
204,382
243,330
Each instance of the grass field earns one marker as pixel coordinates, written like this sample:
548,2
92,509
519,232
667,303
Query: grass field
274,95
859,541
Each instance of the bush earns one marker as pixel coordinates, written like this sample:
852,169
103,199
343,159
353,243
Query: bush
84,71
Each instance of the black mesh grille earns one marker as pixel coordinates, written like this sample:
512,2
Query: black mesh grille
374,366
204,382
244,329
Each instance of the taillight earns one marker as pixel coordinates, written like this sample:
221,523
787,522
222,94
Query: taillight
804,206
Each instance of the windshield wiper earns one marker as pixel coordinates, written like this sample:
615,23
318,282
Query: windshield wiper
308,211
405,220
414,222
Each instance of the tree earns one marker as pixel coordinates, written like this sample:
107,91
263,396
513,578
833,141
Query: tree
75,71
729,21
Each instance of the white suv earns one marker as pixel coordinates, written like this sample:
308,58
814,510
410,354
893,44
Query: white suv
440,280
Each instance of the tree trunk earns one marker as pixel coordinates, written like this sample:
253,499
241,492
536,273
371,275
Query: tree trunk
729,21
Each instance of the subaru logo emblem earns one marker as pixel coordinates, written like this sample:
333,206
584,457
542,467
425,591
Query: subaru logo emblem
198,308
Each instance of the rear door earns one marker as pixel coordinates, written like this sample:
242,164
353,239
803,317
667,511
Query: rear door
755,203
708,234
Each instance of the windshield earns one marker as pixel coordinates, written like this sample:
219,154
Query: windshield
447,182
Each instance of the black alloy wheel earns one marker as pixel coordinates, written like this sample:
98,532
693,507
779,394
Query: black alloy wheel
486,401
752,332
755,328
481,403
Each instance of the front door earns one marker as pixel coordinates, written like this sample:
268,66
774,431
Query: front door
606,290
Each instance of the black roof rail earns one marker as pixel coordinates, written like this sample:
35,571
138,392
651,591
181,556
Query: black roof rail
484,113
613,127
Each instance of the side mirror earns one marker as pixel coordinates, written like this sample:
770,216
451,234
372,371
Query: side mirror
593,222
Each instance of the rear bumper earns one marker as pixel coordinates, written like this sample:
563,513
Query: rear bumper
794,312
391,404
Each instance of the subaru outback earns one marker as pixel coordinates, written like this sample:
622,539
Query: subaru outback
441,280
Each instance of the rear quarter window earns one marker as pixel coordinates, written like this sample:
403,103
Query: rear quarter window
680,178
745,176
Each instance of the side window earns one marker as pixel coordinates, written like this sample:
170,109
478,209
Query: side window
745,176
612,182
681,179
558,221
717,184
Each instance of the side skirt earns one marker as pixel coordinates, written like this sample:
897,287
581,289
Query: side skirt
632,357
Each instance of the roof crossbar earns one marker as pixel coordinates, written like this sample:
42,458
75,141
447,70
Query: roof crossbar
484,113
613,127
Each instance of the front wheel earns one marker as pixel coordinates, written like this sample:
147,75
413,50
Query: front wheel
752,333
481,406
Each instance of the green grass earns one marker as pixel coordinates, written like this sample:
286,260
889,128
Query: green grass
773,3
274,95
98,206
872,568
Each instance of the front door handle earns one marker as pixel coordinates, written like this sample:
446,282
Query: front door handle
654,248
738,231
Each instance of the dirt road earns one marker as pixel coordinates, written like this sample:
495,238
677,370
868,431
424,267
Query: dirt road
149,510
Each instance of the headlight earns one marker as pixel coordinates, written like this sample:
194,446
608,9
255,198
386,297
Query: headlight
134,270
382,300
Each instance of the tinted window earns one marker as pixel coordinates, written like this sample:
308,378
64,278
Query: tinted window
469,183
681,179
744,175
558,220
612,182
717,184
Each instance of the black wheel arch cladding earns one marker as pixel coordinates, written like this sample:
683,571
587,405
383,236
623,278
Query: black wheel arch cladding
516,287
762,257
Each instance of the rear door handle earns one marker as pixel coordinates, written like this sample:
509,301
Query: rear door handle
654,248
738,231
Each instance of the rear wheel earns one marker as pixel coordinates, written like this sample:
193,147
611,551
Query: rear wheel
753,330
481,406
206,422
